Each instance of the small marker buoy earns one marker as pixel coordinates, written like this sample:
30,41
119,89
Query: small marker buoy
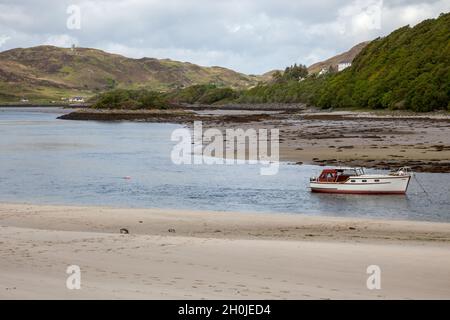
127,178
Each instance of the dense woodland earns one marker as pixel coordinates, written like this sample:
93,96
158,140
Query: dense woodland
409,69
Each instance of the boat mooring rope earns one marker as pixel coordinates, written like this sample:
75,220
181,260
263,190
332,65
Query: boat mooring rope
423,189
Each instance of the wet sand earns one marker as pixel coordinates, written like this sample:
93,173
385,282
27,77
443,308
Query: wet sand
191,255
364,139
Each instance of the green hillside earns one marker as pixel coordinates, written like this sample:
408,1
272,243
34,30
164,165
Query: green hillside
409,69
52,73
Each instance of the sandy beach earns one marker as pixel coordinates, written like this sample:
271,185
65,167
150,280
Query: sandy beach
172,254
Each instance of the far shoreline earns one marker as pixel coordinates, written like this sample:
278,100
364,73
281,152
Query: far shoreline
61,106
370,139
379,140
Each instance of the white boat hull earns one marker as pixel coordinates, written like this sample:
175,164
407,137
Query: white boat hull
365,185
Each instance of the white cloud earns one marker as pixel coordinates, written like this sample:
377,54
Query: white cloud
61,40
3,40
251,36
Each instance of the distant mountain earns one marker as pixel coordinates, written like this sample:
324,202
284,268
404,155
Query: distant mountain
268,76
52,73
347,56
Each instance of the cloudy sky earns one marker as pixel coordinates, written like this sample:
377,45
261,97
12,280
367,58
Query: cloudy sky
251,36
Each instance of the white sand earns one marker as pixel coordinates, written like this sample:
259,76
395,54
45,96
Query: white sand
253,256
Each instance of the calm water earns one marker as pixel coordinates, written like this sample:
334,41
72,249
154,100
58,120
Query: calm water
44,160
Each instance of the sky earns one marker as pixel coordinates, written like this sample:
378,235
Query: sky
249,36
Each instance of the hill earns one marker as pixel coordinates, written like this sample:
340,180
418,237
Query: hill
408,69
51,73
347,56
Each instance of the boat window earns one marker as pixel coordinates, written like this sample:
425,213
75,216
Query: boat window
377,180
353,181
364,181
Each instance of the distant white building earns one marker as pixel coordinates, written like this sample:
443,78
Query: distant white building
323,71
343,65
77,99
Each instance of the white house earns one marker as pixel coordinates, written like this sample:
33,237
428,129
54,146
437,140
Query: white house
344,65
323,71
77,99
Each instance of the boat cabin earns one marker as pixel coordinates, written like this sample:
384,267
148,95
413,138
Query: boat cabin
339,175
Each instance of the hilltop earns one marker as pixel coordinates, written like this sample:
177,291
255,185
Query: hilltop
48,72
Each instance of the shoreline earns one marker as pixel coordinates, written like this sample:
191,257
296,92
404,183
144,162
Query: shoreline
379,140
221,224
173,254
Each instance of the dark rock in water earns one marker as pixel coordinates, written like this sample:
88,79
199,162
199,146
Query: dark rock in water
171,230
351,228
124,231
140,221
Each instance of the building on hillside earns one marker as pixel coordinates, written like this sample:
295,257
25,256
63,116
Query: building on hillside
343,65
77,99
323,71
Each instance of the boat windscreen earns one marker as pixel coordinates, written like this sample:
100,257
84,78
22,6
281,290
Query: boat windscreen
350,172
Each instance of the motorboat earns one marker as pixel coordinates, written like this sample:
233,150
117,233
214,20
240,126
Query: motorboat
356,181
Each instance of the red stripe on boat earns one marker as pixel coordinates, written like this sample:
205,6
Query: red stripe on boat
355,191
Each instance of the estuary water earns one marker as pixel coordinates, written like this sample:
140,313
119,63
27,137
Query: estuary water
44,160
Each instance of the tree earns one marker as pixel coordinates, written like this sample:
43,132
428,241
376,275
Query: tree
295,72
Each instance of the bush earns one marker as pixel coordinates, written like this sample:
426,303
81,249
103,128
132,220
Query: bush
130,99
205,94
